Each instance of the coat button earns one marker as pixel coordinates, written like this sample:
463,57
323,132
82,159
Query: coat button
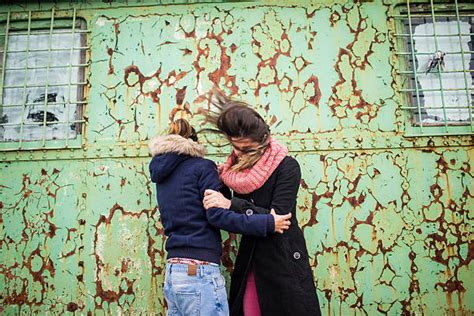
296,255
249,212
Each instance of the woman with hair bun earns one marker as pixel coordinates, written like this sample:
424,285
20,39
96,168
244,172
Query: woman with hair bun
193,282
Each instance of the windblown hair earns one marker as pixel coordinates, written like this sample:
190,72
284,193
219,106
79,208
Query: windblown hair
182,128
237,119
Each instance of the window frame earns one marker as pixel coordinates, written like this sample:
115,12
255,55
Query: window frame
407,72
16,22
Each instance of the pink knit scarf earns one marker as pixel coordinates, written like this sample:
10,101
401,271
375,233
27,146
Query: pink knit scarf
253,178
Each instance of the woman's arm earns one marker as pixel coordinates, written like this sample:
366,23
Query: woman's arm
283,197
258,225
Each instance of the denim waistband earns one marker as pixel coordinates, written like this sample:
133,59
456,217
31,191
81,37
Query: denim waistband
188,261
201,270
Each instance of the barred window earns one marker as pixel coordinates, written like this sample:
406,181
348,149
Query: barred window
43,80
435,50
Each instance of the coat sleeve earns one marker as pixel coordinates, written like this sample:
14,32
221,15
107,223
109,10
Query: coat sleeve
284,194
152,168
254,225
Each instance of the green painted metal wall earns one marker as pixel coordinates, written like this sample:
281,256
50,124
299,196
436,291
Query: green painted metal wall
387,219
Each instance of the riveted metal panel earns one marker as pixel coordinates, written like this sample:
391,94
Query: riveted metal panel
387,219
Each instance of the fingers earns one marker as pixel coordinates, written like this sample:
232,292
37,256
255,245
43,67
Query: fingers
281,228
208,202
212,193
212,200
282,222
286,216
209,199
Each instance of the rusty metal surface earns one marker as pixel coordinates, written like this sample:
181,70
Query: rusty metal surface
387,219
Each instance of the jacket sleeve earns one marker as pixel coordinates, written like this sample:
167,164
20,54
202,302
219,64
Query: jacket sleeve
254,225
152,169
284,194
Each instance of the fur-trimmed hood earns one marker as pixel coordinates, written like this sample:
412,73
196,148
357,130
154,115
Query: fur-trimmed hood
175,144
169,152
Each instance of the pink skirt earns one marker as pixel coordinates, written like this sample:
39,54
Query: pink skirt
251,307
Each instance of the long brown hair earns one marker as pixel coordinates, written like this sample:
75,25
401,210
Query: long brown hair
235,118
182,128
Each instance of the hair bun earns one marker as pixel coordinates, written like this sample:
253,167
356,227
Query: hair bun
182,128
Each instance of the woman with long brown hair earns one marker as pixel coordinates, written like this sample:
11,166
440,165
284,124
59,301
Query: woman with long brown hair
272,275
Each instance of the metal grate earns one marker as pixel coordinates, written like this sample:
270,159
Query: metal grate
435,48
43,80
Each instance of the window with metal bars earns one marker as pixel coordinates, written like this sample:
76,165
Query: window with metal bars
43,80
435,47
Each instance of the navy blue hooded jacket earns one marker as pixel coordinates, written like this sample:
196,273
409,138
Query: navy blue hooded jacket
182,175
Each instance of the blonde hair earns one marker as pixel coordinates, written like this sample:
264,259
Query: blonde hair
182,128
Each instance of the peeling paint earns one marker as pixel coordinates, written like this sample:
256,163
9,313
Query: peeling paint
386,218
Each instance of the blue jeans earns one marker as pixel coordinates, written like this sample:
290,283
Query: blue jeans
201,294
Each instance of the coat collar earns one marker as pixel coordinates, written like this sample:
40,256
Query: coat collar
175,144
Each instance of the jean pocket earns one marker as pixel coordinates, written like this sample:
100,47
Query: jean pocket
218,281
220,294
189,302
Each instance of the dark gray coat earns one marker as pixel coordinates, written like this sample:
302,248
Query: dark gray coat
283,276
